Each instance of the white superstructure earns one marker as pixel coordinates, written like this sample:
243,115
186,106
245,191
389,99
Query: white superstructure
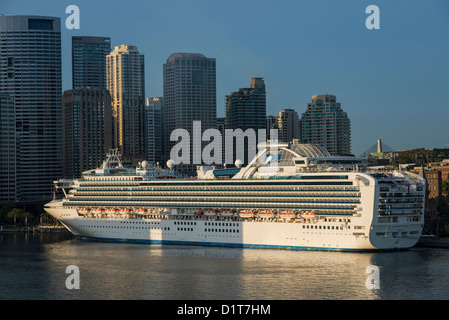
297,197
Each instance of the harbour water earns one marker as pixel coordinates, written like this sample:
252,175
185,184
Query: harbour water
33,267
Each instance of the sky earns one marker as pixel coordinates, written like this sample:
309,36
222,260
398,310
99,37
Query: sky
393,82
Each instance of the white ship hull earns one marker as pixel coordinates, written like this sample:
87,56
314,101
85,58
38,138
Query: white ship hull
234,233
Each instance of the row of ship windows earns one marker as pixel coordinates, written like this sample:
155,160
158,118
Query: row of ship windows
125,227
208,193
140,187
396,234
323,227
211,230
239,199
193,223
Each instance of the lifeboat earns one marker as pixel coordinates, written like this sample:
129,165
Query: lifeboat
246,213
287,214
227,213
308,214
84,210
140,211
111,210
125,210
211,212
266,213
198,213
97,210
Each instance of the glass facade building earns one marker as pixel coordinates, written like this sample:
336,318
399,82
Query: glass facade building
189,95
154,129
89,61
86,129
7,149
125,76
30,72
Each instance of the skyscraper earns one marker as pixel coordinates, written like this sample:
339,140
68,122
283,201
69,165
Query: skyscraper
246,109
7,149
86,129
189,95
288,125
126,83
89,61
154,129
30,72
326,124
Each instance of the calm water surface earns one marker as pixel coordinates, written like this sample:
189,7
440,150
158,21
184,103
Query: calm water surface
33,266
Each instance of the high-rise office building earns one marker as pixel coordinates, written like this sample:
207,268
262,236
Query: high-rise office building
7,149
246,109
271,124
189,95
89,61
154,129
86,129
326,124
288,125
126,83
221,127
30,72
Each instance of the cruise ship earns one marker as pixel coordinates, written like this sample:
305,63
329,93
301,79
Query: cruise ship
290,196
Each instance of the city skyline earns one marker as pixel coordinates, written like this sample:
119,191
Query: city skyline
391,81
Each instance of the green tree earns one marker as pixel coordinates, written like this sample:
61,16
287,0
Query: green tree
17,215
419,155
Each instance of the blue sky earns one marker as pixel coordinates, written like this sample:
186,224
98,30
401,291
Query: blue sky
392,82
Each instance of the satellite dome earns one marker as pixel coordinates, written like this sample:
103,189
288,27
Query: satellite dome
171,163
145,164
238,163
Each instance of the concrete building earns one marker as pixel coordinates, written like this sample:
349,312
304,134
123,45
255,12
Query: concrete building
326,124
89,61
189,95
288,125
154,128
126,84
30,72
246,109
86,129
7,149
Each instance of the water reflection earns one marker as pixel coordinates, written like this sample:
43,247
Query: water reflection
33,267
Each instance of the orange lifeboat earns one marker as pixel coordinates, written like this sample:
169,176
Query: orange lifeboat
111,210
266,213
97,210
246,213
140,211
84,210
125,210
227,213
308,214
211,212
287,213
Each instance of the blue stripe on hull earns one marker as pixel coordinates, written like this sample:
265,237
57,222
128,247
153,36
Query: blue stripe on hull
232,245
